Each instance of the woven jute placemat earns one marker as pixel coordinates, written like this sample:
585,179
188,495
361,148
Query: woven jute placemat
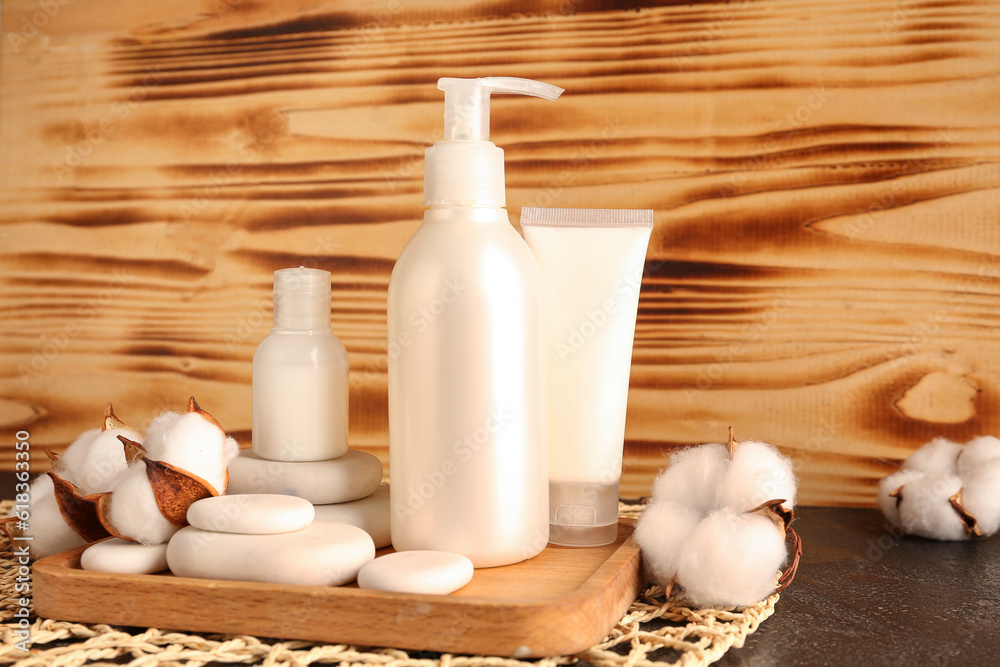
654,631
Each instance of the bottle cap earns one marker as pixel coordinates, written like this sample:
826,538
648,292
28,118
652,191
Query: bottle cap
583,515
302,299
466,168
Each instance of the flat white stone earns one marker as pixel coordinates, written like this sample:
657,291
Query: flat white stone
251,514
354,475
370,514
322,554
124,557
431,572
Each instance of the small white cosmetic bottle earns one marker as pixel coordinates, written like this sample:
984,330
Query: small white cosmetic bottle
300,374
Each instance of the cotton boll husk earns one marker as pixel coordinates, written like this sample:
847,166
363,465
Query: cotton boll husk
693,476
192,443
977,452
925,508
981,496
732,559
758,473
94,459
50,532
662,531
890,484
937,457
134,512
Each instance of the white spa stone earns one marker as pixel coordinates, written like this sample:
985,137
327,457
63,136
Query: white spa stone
354,475
124,557
251,514
370,514
322,554
431,572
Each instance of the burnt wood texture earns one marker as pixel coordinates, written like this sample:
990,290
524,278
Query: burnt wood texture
824,272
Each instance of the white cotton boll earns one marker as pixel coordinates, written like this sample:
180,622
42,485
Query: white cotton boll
758,473
192,443
134,512
937,457
662,531
94,459
732,559
154,443
925,508
977,452
981,495
693,476
890,484
50,532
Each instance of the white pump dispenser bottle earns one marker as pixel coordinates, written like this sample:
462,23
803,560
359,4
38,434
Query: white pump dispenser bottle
468,448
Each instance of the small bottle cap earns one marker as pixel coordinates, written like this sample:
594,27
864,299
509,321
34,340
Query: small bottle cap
302,299
583,515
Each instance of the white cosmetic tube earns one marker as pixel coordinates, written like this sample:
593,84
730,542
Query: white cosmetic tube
591,262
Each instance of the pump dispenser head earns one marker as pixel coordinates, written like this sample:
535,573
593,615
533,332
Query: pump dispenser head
466,168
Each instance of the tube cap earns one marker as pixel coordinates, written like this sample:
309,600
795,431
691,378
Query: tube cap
583,515
302,299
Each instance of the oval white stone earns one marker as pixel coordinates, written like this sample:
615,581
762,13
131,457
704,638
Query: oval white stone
122,556
322,554
370,514
432,572
354,475
251,514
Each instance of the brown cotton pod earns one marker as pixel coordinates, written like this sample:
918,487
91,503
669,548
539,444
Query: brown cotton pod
972,528
175,489
194,407
782,518
134,451
110,420
78,511
102,502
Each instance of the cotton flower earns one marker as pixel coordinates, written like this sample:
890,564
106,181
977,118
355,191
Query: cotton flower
49,531
96,456
716,523
731,559
107,482
185,458
946,491
693,477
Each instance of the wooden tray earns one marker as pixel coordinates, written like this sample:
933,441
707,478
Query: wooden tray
560,602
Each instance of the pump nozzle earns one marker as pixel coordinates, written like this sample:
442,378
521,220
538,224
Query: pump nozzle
467,102
465,168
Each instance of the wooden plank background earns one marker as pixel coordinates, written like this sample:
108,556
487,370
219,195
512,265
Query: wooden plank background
824,273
